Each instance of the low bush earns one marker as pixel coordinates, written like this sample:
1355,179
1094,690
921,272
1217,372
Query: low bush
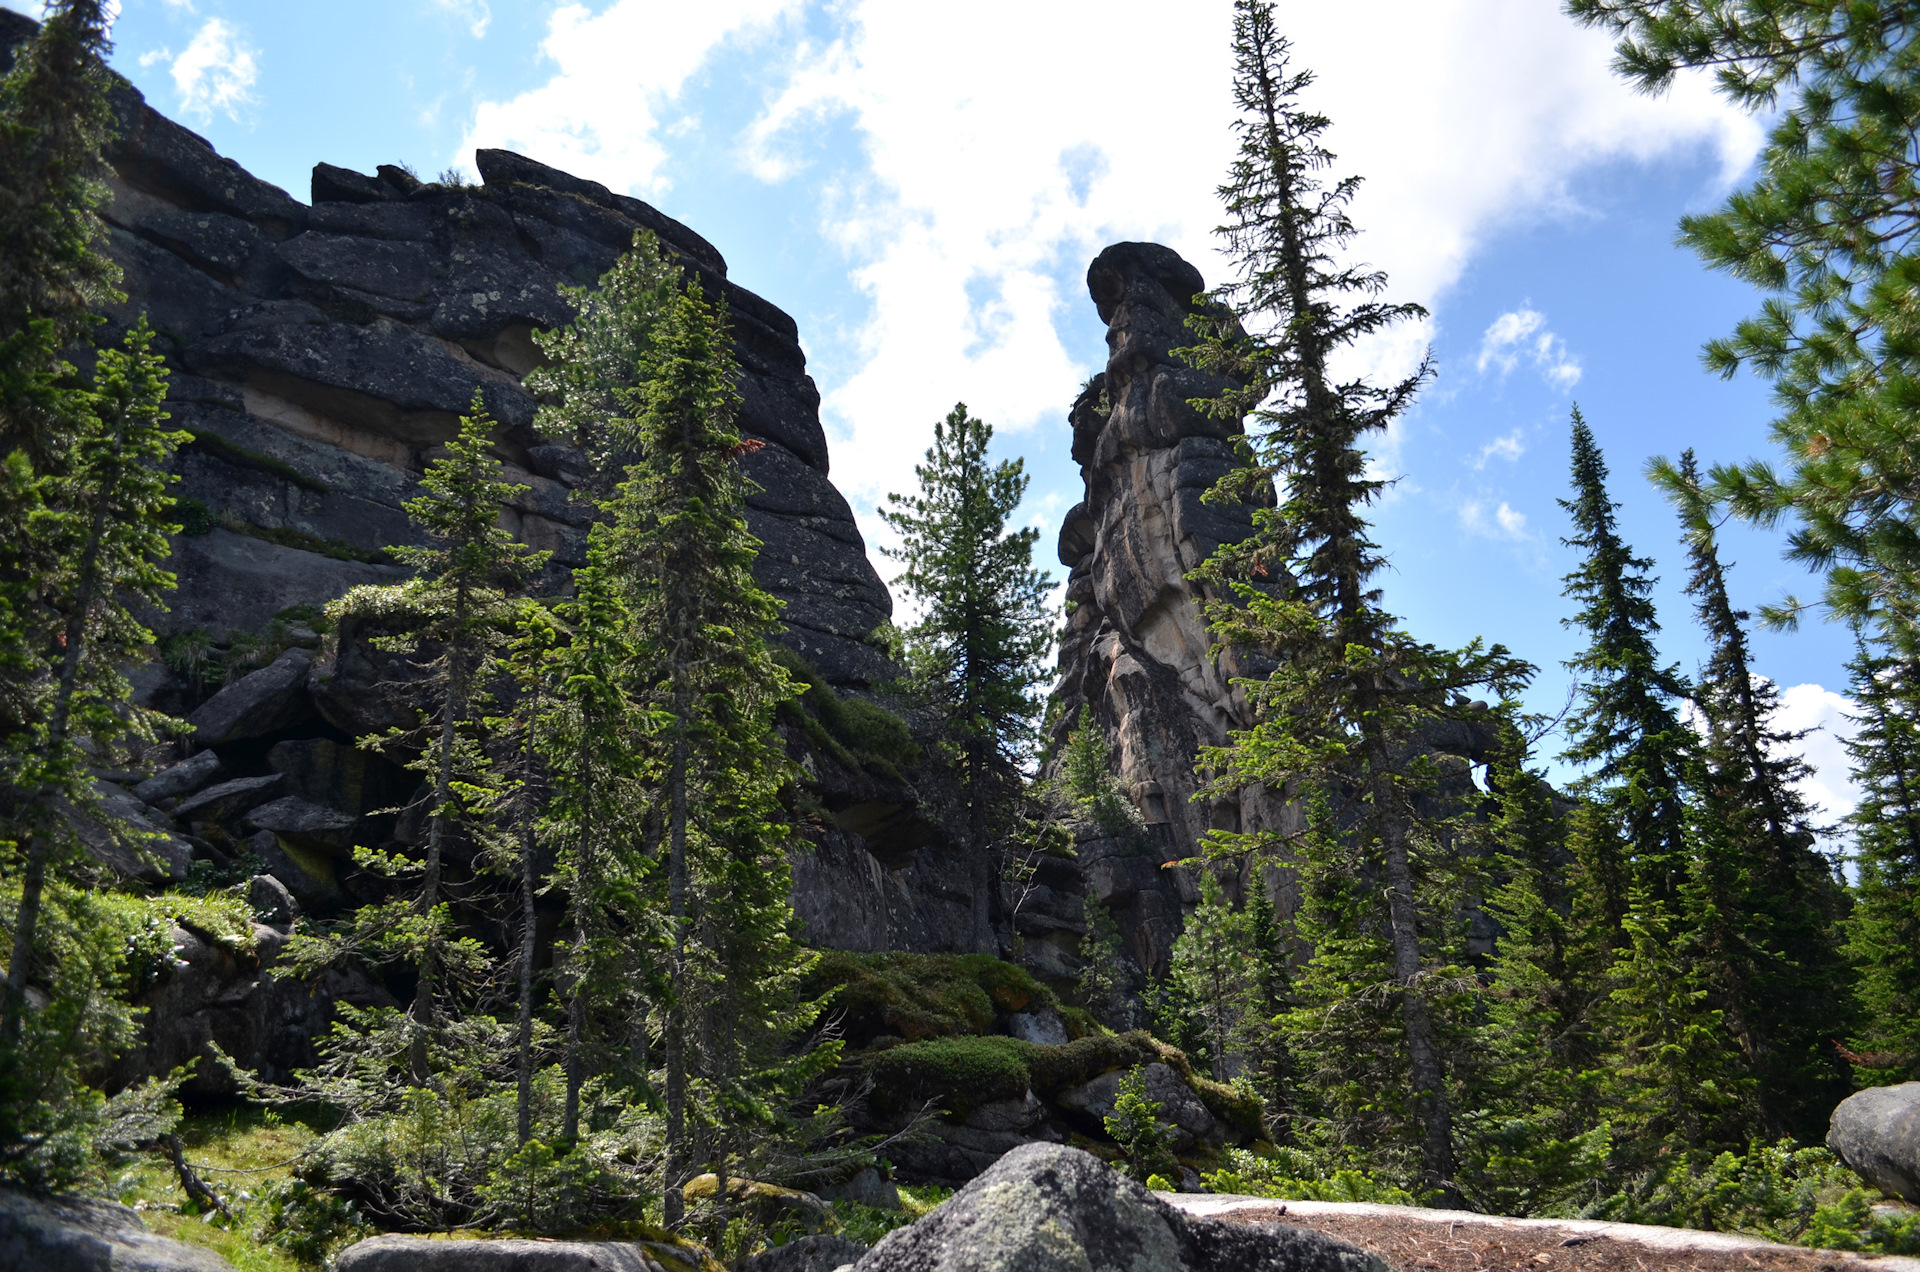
1292,1175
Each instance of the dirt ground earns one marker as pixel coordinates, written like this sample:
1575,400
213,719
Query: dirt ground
1420,1245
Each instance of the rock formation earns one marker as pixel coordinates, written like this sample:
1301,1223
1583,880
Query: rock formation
1876,1132
1045,1207
1136,648
73,1234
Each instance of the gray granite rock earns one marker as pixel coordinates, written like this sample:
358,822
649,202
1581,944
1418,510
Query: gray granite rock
228,801
74,1234
257,704
1876,1132
129,837
1042,1028
1193,1124
184,778
305,823
1048,1208
867,1187
822,1252
272,903
423,1254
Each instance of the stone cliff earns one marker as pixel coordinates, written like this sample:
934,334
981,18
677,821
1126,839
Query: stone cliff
1136,648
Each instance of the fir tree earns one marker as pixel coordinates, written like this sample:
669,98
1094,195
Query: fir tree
97,544
1827,230
54,118
977,647
1212,959
700,624
1103,984
1674,1065
1342,713
458,614
1776,949
1883,930
1260,1037
1538,1127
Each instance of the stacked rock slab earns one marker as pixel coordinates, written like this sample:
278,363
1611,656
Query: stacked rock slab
1136,648
320,353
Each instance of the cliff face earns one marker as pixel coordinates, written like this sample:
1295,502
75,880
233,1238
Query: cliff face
1136,649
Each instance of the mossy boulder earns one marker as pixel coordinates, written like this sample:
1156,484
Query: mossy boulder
916,997
769,1205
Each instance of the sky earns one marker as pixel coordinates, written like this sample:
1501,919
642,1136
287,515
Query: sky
922,186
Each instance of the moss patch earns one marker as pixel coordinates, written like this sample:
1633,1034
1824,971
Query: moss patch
921,996
856,733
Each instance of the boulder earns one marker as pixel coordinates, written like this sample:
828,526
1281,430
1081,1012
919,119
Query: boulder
1876,1132
822,1252
306,874
72,1234
311,826
1045,1207
769,1204
338,775
127,837
424,1254
1042,1028
1193,1124
257,704
228,800
181,779
867,1187
272,903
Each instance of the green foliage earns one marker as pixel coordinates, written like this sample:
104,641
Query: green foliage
1352,693
1781,1192
1212,965
1291,1175
1104,984
1826,230
1883,929
1136,1127
1086,769
977,649
854,731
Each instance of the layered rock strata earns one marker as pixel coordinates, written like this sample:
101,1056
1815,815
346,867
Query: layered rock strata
321,352
1136,649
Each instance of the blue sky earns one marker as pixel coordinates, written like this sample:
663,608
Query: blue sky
922,186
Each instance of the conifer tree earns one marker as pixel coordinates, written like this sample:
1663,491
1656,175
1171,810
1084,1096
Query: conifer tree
699,624
1212,961
1677,1076
977,648
1827,230
54,118
1883,929
97,545
1776,949
1260,1036
458,614
1342,713
1538,1130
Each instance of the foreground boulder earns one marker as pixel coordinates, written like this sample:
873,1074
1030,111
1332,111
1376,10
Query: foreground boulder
1045,1207
70,1234
1876,1132
425,1254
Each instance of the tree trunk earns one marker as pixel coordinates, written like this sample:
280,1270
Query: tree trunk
436,841
577,960
524,1064
672,1199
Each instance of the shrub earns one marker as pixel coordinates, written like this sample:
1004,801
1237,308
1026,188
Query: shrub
1136,1127
1292,1175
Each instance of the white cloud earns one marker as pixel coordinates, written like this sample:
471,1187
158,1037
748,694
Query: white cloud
1509,448
1830,787
1522,333
1503,521
215,72
180,6
992,173
619,73
475,13
154,57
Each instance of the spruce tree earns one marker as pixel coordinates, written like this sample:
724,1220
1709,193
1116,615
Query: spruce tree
1212,962
456,616
54,119
978,646
1826,229
1883,929
700,625
1776,950
1676,1076
1260,1037
1343,713
72,624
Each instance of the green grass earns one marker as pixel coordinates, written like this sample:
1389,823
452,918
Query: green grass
867,1224
242,1151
